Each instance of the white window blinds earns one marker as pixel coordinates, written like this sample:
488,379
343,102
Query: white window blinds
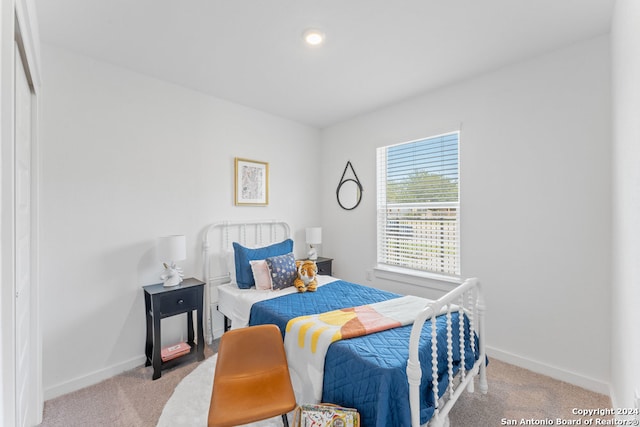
419,205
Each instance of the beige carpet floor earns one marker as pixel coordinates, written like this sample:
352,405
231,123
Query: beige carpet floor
132,399
516,394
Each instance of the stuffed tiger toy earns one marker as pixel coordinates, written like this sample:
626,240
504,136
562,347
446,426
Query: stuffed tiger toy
306,280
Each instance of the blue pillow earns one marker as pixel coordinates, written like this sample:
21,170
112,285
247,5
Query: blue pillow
283,270
244,275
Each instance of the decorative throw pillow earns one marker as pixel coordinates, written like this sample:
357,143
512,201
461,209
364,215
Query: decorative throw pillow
261,274
244,275
283,270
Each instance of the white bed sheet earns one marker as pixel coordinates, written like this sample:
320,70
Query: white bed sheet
235,303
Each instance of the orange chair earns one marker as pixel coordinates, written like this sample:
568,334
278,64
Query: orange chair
251,382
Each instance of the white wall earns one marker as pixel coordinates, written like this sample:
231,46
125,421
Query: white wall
625,38
535,202
126,159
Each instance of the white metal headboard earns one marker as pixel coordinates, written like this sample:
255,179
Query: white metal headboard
222,235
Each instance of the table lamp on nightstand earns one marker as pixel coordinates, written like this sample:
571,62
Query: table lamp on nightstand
314,237
170,250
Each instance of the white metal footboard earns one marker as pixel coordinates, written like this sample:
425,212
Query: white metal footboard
464,299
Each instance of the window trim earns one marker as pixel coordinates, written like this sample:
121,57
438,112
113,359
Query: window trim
419,278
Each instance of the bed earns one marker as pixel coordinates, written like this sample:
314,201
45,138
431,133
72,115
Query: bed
388,375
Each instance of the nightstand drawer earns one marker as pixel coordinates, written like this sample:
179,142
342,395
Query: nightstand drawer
178,302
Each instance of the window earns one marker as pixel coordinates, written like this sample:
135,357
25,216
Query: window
419,205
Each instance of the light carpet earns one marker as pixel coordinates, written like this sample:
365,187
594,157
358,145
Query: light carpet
189,404
514,394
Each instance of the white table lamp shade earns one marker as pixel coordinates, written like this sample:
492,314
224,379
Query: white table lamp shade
172,248
314,235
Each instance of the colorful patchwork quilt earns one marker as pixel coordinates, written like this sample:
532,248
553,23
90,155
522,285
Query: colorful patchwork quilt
308,338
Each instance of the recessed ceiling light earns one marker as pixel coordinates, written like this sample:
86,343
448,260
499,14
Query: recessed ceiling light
313,37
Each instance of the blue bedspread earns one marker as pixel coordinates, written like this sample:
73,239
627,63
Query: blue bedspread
369,372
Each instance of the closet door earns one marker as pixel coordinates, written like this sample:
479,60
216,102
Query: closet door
24,323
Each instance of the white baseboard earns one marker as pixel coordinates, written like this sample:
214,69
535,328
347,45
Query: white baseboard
92,378
550,371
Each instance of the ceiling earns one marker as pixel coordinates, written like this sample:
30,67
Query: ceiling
377,52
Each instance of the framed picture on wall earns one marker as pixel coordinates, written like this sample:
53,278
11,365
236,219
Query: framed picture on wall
251,182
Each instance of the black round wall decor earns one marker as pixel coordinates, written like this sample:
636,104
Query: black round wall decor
349,191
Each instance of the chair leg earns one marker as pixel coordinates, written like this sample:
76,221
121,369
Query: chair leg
285,420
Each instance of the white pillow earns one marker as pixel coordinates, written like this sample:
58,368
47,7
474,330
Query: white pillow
261,274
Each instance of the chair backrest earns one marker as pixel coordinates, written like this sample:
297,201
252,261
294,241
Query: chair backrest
253,349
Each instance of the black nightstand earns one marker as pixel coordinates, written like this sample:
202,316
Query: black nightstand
161,302
324,266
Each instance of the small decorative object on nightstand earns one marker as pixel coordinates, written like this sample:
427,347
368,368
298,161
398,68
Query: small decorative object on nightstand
161,302
313,237
324,266
170,250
